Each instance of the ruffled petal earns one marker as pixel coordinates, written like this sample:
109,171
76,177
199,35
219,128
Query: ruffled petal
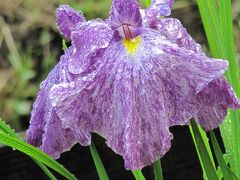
157,9
132,100
163,6
67,18
138,131
45,129
88,38
176,33
214,100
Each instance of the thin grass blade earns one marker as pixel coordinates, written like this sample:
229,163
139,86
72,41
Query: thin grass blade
206,160
8,130
35,153
226,172
98,163
217,21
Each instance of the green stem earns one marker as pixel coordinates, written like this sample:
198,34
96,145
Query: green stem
98,163
138,175
203,152
158,170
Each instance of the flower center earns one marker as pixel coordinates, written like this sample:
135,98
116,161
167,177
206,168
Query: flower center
131,44
127,31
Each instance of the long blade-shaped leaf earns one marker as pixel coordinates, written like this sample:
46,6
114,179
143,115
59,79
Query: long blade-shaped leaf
35,153
226,172
7,129
218,26
208,165
206,142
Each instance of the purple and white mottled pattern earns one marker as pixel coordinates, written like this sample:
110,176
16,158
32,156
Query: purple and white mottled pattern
88,38
125,18
46,130
157,9
133,101
129,87
67,18
214,100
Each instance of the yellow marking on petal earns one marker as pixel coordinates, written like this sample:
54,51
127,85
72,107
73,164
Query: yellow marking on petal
131,45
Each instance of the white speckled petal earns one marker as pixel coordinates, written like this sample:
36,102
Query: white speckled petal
176,33
158,8
88,38
214,101
67,19
45,129
132,101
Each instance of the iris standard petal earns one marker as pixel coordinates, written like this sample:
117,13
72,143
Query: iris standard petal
67,18
125,12
133,99
45,129
214,100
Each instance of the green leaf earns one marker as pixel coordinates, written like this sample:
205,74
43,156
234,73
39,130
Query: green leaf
35,153
45,169
98,163
8,130
217,21
138,175
206,142
226,171
208,166
158,170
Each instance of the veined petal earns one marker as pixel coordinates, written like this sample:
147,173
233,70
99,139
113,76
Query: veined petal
67,18
176,33
132,128
88,38
125,12
163,6
157,9
45,129
132,100
214,100
218,95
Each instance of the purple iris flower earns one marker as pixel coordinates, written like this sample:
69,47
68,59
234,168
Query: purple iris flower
128,78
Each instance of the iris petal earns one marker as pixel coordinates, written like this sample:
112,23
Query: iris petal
158,8
132,103
176,33
214,101
67,18
88,38
46,129
125,12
